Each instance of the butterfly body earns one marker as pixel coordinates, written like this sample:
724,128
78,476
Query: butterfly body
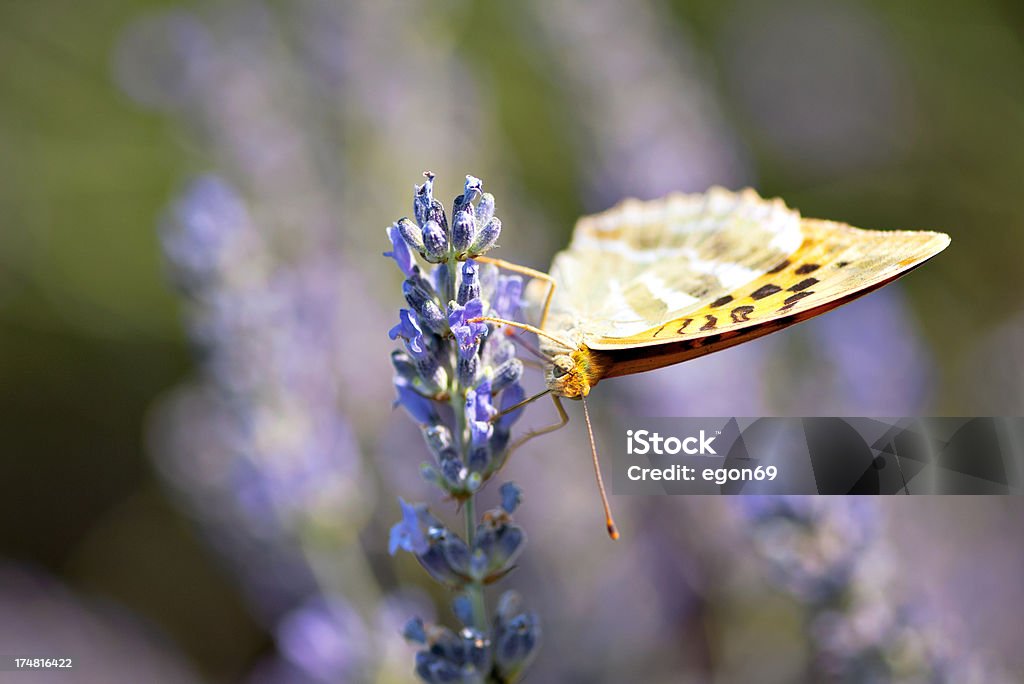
649,284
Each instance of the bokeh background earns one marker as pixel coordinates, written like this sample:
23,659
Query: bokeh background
200,462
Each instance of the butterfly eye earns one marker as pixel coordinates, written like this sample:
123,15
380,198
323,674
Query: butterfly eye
561,366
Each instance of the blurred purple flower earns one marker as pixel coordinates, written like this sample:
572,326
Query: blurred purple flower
326,639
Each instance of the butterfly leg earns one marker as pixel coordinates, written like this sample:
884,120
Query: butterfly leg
523,270
563,420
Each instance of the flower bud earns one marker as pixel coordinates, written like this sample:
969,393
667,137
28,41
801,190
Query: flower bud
468,365
423,198
438,438
435,243
414,631
484,209
516,637
436,213
487,237
470,286
501,541
411,233
479,457
427,311
506,374
463,228
433,375
462,607
446,557
511,495
452,469
404,366
474,186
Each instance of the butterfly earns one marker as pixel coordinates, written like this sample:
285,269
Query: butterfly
649,284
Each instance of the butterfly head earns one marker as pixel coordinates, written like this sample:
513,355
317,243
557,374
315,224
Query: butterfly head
571,374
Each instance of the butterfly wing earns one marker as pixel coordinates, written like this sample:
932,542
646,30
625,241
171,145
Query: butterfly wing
653,283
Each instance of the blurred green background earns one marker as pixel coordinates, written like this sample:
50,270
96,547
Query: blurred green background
91,334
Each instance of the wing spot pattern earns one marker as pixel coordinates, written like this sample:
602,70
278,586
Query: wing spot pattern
807,268
765,291
780,266
741,313
791,301
683,326
803,284
710,325
721,301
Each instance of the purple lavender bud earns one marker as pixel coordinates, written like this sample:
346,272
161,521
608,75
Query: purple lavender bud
414,631
470,286
478,416
432,373
407,534
484,209
474,186
438,438
462,607
411,234
446,558
516,636
475,649
404,366
501,542
452,468
436,213
426,309
486,238
456,554
468,366
435,243
479,459
507,374
463,226
483,407
478,562
511,496
434,669
423,198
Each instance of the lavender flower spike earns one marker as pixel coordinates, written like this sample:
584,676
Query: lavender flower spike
450,378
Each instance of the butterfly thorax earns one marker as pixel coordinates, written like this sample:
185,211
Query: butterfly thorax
572,375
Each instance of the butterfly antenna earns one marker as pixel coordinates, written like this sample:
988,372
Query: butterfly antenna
613,531
518,339
522,326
